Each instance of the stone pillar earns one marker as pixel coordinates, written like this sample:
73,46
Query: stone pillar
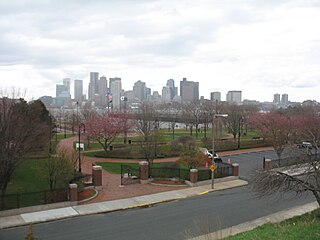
73,192
97,176
235,169
194,176
144,171
267,164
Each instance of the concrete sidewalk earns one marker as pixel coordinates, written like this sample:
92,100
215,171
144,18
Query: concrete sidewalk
114,205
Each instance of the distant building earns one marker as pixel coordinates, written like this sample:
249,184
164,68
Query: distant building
140,90
173,89
78,90
215,96
62,92
103,82
167,94
276,98
284,99
93,85
189,91
234,97
115,89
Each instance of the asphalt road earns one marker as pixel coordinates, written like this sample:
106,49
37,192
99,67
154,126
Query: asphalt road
174,220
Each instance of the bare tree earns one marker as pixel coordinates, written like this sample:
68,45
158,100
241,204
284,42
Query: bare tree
60,168
193,114
148,125
235,114
298,178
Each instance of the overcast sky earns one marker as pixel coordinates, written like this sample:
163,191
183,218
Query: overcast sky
261,47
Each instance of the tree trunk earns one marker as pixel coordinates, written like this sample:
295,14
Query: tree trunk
317,196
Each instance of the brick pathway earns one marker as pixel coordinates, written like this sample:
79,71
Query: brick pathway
111,189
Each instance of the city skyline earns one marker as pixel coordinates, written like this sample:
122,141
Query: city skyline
258,47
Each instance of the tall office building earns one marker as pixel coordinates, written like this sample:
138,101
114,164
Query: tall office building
63,92
140,90
234,97
78,90
276,98
103,87
284,99
166,94
115,89
173,89
66,82
189,90
93,85
215,96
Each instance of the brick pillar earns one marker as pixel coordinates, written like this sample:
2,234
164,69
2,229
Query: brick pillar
235,169
194,176
144,171
97,176
267,164
73,192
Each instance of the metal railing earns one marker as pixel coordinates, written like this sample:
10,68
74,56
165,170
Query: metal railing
20,200
169,172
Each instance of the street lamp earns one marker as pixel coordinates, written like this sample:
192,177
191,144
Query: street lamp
212,163
239,134
79,137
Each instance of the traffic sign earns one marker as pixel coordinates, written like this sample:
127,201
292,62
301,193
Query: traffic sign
212,168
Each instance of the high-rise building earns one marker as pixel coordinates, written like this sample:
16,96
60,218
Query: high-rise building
234,97
189,90
173,89
284,99
78,90
66,82
103,87
167,94
115,89
93,85
276,98
63,92
215,96
140,90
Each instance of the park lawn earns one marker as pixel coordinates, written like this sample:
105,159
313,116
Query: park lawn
115,167
29,176
304,227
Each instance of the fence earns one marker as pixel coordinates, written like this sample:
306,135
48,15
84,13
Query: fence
222,170
293,160
19,200
169,172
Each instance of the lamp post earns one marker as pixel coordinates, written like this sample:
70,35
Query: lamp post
212,163
79,137
239,134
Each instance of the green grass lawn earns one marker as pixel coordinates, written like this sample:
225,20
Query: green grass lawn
29,176
304,227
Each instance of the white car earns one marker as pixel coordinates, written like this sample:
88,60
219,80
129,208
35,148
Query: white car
216,157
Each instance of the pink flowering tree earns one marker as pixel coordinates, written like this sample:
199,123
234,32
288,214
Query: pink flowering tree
275,128
105,128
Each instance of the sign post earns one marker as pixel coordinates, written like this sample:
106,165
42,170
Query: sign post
212,168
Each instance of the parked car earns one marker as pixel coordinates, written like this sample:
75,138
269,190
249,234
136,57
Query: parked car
216,157
305,145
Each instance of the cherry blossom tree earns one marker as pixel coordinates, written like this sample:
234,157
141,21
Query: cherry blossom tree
275,128
105,128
